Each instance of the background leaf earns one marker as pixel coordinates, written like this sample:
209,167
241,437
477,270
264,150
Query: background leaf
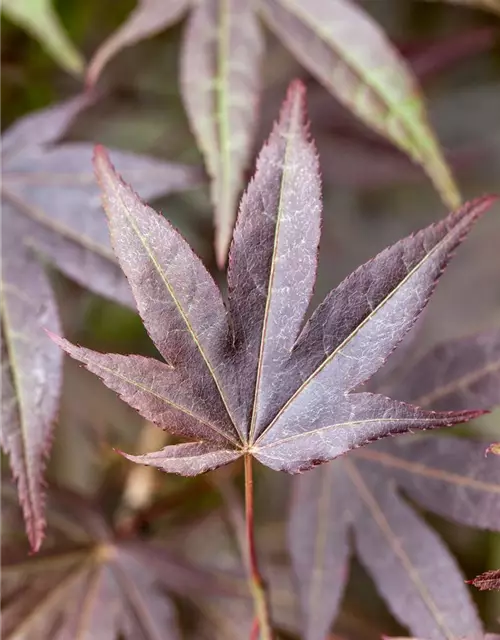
31,374
458,373
410,564
51,213
413,570
88,583
487,5
351,56
39,18
148,18
318,534
220,72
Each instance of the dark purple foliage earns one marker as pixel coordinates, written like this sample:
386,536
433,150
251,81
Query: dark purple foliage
253,379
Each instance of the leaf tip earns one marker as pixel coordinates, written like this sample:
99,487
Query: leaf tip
296,89
222,242
101,155
60,341
295,102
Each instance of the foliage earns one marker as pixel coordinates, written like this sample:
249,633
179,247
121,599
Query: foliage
116,584
253,365
44,190
256,382
220,62
39,18
448,475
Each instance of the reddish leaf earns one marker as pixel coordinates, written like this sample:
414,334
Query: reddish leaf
319,547
243,383
89,583
413,570
189,459
149,18
31,374
459,373
51,209
487,581
275,281
433,58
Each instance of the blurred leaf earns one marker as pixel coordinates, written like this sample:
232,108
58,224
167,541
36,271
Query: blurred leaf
148,18
412,568
39,18
459,373
487,5
415,573
433,58
318,539
51,209
348,52
220,71
31,373
89,583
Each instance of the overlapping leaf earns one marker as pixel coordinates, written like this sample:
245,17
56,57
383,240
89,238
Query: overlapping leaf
351,56
88,583
254,380
336,41
220,69
487,5
51,212
411,566
149,18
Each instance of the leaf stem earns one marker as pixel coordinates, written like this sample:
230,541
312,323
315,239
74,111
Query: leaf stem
256,582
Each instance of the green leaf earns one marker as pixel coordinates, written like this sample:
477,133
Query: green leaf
351,56
39,19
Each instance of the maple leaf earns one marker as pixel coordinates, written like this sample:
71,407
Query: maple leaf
253,380
487,581
337,42
91,583
415,573
51,212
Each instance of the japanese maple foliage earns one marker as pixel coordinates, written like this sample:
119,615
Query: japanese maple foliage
46,186
365,493
338,42
253,379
